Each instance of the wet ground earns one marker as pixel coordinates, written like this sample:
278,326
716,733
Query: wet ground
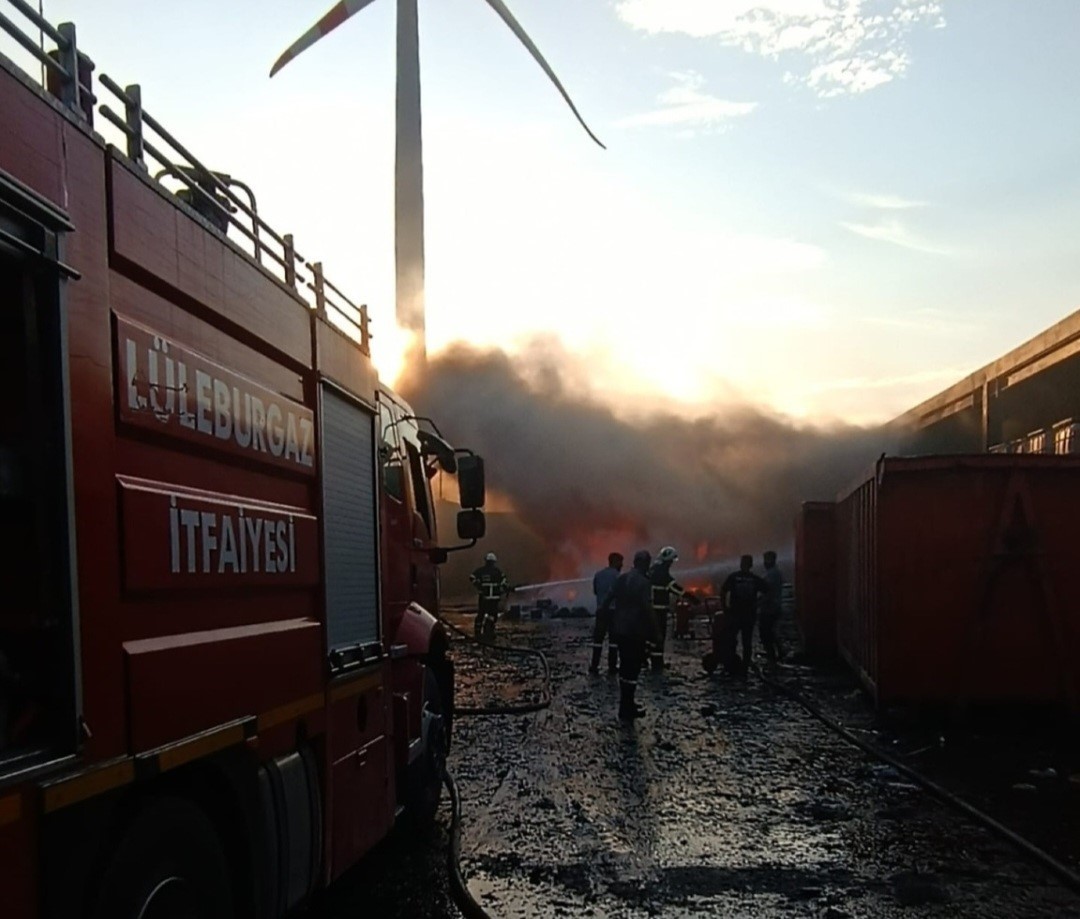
725,799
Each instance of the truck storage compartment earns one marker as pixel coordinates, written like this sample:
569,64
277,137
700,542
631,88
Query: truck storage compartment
954,579
36,664
815,577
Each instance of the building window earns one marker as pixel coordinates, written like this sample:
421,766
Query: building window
1065,438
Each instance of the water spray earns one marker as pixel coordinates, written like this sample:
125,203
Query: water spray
546,584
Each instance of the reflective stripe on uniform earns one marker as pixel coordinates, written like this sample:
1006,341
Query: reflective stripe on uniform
661,596
489,590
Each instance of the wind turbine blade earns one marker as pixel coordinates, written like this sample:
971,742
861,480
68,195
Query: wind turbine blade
499,7
334,17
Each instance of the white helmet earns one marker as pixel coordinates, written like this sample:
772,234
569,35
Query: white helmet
490,557
667,554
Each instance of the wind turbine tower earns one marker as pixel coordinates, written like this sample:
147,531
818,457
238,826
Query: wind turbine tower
408,159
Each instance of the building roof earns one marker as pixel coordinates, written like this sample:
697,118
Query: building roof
1052,346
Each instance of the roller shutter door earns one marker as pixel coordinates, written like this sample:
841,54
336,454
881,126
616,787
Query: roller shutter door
349,521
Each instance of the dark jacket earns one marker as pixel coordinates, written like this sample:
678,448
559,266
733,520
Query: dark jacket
632,617
740,592
602,582
772,603
490,583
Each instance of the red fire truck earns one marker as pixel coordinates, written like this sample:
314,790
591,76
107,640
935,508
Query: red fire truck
220,682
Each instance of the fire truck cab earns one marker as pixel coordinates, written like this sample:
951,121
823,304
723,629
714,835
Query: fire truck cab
222,676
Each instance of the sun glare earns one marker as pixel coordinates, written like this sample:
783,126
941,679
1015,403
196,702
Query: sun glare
390,350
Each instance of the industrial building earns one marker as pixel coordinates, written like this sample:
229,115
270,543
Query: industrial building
1027,401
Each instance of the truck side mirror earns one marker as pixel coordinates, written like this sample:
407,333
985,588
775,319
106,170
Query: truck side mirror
471,524
471,482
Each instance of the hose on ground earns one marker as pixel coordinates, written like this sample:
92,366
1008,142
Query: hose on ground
524,708
459,890
469,906
1060,870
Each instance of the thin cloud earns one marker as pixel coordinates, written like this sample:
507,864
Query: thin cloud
789,312
894,233
949,374
685,105
841,46
928,321
884,202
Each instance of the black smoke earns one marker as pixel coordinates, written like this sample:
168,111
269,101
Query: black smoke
584,478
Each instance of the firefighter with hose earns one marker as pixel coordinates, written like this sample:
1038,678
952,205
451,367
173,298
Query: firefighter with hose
491,586
662,587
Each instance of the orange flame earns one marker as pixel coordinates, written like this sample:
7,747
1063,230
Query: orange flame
589,551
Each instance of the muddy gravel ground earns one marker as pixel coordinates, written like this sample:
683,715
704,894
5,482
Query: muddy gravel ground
725,799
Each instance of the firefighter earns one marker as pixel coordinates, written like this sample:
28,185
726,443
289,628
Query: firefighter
602,583
771,609
662,587
491,586
738,602
633,626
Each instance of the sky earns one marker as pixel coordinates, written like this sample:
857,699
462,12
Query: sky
828,208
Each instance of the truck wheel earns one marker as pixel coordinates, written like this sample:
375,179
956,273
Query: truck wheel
169,865
425,778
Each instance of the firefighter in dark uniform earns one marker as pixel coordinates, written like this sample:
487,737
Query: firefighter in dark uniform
662,587
738,601
491,585
633,626
602,583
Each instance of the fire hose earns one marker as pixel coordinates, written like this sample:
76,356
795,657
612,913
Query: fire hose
524,708
459,890
1062,871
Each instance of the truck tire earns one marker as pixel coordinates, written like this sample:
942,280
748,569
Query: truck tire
169,865
425,775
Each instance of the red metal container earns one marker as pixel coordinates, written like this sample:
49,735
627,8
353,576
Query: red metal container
815,576
954,577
